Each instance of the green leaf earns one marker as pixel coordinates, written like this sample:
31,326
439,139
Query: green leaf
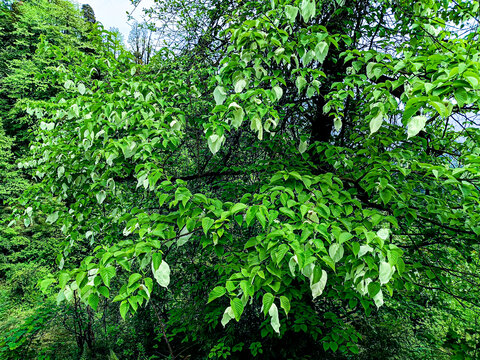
107,274
220,95
148,284
400,266
275,321
308,9
370,67
321,51
237,208
376,122
261,216
440,107
45,283
62,279
319,286
238,115
344,237
333,346
300,83
162,274
207,224
415,125
378,299
81,89
267,302
101,195
386,196
291,12
104,291
373,289
93,301
240,85
237,307
216,293
133,279
156,260
280,253
215,143
285,304
278,92
227,316
52,218
385,272
473,78
336,252
251,212
124,306
461,96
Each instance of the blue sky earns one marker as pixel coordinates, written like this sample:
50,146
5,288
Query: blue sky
113,13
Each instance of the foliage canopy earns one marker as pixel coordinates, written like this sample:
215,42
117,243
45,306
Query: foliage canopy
285,169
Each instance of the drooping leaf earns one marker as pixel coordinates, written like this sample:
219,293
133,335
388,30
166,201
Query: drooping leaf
275,321
220,95
101,196
308,9
336,252
415,125
278,92
376,122
267,302
240,85
227,316
124,307
300,83
238,115
81,88
162,274
318,287
385,272
291,12
237,307
285,304
52,218
321,51
93,301
378,299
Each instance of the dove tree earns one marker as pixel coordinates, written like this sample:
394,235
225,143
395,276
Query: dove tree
295,165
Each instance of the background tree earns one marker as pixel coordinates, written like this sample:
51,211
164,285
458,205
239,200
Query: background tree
88,14
141,42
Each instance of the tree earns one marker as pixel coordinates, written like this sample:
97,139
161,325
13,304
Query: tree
88,14
22,30
141,42
117,41
319,160
28,254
